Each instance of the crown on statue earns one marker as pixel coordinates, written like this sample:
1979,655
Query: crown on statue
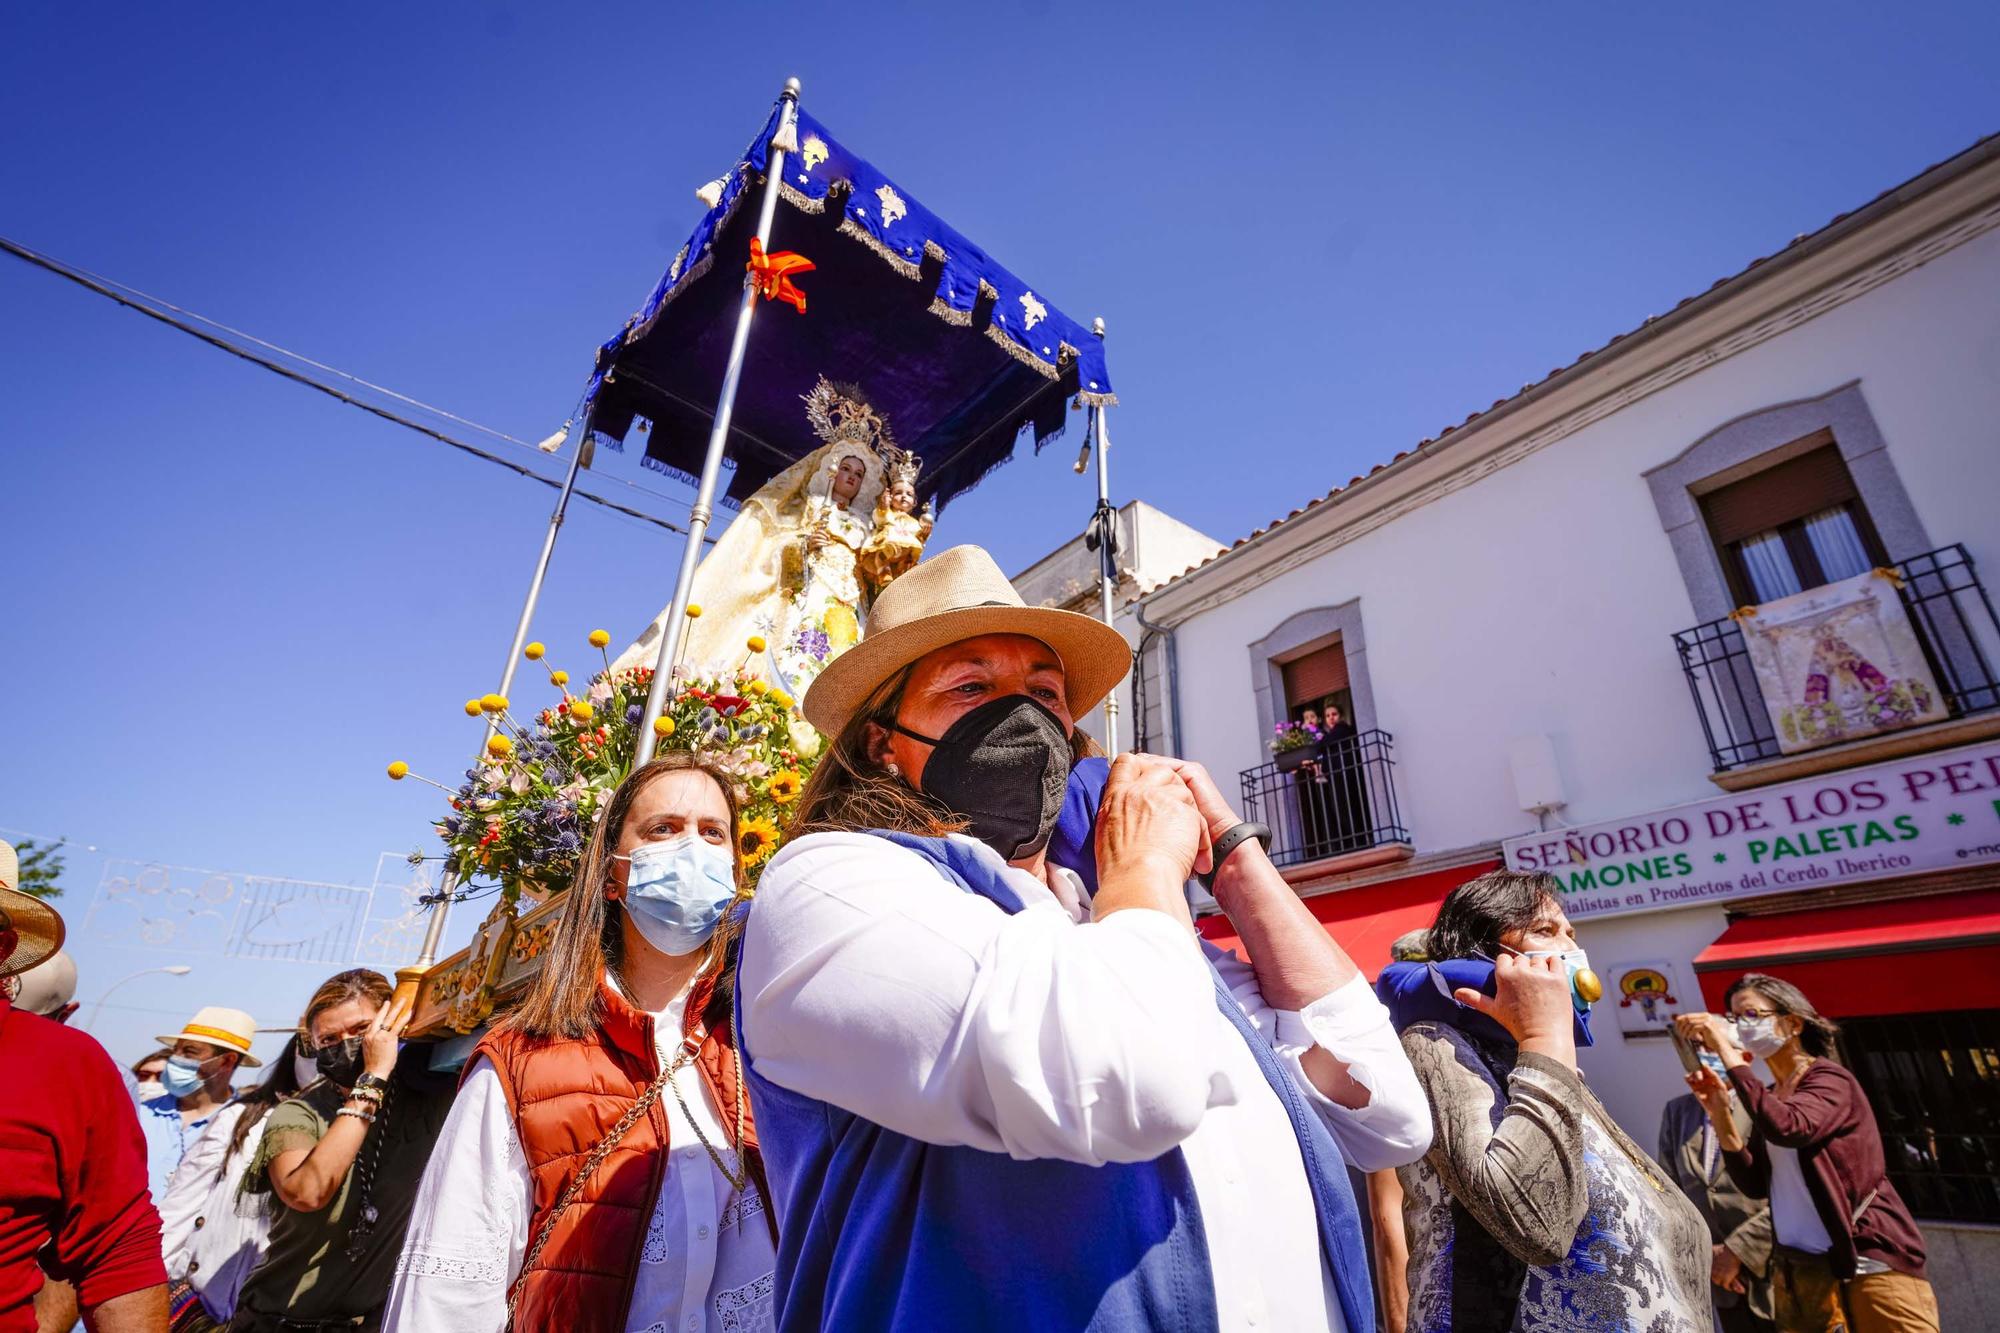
839,413
903,466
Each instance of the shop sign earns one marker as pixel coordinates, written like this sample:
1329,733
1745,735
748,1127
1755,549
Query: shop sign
1905,817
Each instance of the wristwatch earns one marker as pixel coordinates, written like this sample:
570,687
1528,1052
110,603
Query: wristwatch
370,1081
1229,842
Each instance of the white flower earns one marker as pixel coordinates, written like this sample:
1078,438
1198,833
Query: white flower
518,784
600,692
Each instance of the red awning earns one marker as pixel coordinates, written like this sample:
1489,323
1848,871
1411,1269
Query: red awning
1367,920
1909,956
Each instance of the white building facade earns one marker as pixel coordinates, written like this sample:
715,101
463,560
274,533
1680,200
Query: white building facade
1528,621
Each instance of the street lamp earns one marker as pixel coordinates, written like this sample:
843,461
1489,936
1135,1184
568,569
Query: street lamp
97,1010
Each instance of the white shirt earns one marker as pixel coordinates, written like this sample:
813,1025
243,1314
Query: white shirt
1794,1219
868,984
213,1234
706,1266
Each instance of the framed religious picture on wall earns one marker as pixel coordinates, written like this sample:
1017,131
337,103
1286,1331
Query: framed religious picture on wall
1839,662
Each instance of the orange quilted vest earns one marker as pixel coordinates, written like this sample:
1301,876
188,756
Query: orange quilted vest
566,1094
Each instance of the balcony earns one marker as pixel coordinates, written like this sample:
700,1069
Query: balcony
1339,805
1954,622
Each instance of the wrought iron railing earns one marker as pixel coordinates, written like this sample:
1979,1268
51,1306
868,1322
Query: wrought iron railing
1948,608
1339,799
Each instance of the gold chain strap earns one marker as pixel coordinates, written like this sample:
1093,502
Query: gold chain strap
590,1165
742,1173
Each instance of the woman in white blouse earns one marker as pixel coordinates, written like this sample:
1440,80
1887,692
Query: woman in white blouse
995,1095
599,1169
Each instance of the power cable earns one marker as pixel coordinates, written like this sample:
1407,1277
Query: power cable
135,300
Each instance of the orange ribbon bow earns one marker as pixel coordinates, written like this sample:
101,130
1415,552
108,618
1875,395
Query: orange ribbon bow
772,274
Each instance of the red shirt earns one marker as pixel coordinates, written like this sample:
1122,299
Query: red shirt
72,1171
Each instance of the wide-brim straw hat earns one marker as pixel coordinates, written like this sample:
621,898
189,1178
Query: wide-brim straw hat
961,594
37,926
223,1028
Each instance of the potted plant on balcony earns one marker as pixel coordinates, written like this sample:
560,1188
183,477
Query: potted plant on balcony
1293,745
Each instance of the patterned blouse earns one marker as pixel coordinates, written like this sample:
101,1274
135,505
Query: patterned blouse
1533,1211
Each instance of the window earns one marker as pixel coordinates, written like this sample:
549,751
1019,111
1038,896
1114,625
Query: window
1317,680
1934,1082
1791,527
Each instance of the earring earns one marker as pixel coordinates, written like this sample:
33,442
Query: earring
894,770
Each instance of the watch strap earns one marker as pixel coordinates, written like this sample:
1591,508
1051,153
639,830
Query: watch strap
1229,842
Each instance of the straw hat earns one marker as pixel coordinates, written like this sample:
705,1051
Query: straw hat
32,924
224,1029
962,594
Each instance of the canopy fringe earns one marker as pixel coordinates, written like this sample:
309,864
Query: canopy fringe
907,267
800,200
951,314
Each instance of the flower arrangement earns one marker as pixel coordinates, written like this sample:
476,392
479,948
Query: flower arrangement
525,811
1289,736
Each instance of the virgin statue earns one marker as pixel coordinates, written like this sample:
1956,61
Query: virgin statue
788,569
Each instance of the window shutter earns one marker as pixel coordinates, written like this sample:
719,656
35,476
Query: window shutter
1793,489
1314,676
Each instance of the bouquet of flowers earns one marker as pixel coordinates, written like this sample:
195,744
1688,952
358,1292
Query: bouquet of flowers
1289,736
524,813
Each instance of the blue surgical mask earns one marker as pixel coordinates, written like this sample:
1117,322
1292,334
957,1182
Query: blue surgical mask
676,891
1584,987
181,1076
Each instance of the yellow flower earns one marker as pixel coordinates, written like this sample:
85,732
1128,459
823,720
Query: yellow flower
694,610
599,638
499,747
558,677
784,787
757,644
780,698
398,771
493,703
473,708
582,711
663,727
755,688
533,652
757,839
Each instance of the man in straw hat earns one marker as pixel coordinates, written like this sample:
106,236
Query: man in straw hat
72,1163
990,1096
202,1060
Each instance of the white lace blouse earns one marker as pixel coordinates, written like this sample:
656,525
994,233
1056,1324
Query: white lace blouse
706,1266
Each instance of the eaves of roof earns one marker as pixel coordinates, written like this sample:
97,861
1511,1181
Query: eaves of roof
1800,249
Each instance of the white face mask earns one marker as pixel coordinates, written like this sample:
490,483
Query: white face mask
676,891
150,1088
1760,1036
305,1069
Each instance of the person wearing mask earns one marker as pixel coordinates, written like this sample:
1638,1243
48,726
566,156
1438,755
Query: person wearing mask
992,1098
1533,1209
342,1160
74,1212
1740,1226
1848,1254
599,1169
48,988
194,1087
146,1071
213,1232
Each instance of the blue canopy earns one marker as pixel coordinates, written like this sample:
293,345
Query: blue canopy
959,355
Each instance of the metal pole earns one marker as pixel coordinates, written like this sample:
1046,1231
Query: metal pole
434,931
718,438
1107,564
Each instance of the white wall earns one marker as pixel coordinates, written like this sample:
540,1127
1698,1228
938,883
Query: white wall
1542,598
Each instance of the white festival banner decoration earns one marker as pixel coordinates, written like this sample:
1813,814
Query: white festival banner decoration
1929,813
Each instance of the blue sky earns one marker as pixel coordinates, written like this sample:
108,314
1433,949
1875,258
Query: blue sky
1318,234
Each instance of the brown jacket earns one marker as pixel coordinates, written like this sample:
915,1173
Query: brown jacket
565,1095
1828,1121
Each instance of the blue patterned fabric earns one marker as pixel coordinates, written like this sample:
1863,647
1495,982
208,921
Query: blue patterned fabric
1415,992
959,354
881,1231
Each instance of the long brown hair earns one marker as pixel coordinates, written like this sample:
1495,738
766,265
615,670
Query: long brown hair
590,936
1818,1034
282,1083
849,792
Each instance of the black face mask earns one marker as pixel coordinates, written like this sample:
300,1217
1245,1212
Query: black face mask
1003,767
340,1062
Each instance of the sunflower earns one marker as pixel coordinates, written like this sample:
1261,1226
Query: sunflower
784,787
757,839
